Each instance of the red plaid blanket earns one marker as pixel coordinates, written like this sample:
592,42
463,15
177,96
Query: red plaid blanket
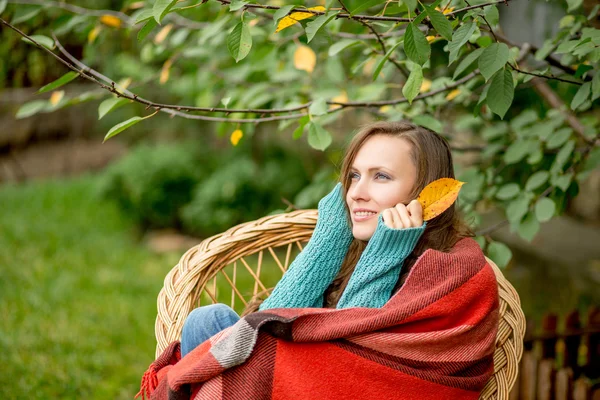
434,339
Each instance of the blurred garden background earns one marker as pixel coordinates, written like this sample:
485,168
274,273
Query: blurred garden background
89,227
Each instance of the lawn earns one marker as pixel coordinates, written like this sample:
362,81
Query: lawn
77,294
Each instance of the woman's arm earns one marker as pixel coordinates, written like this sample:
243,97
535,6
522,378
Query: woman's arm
313,270
378,268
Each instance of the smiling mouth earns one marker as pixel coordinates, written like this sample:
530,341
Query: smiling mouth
363,216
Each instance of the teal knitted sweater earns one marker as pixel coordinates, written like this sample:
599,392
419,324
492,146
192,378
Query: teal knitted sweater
314,269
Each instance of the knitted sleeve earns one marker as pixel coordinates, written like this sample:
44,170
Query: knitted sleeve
313,270
378,268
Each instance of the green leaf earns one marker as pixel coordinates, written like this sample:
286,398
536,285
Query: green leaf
494,57
146,29
516,152
383,59
529,227
313,26
236,5
501,93
341,45
562,181
517,209
3,5
144,15
410,4
574,4
596,86
63,80
563,156
413,83
282,12
499,253
536,180
162,8
364,5
24,13
545,209
115,130
415,45
581,95
466,62
440,23
318,137
559,138
239,41
318,107
459,38
110,104
40,39
31,108
300,129
429,122
508,191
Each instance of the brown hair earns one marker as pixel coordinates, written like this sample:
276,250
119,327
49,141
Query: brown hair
432,158
431,155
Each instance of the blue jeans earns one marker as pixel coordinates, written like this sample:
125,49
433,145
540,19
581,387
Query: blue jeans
204,322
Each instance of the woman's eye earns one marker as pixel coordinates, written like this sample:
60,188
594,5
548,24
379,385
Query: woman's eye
380,175
353,175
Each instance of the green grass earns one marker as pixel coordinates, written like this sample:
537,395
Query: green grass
77,294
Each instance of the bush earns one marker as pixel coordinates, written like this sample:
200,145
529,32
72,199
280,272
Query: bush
152,183
242,190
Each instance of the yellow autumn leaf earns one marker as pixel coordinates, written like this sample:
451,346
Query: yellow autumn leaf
294,17
305,58
165,71
162,34
385,109
453,94
340,98
425,86
236,136
56,97
94,34
124,83
438,196
447,11
368,68
430,38
111,20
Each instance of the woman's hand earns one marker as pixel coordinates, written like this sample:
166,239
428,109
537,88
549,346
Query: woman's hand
402,216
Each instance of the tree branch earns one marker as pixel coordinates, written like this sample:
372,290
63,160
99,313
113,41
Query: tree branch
126,19
359,17
177,110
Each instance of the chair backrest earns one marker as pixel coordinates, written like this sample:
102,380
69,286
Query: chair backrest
232,268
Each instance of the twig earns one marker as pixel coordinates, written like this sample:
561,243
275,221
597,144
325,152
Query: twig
380,40
126,19
358,17
549,77
486,22
490,229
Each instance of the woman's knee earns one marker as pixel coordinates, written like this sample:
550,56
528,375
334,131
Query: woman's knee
220,313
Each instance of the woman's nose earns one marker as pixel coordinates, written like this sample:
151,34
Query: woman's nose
360,190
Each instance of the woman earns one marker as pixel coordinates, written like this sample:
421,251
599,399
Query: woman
369,234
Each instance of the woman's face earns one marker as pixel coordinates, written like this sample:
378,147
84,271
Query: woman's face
382,175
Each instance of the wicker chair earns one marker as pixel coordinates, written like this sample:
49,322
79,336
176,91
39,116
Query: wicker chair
201,277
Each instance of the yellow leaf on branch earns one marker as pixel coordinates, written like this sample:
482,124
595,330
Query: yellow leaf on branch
294,17
305,58
452,95
111,20
94,34
425,86
438,196
162,34
165,71
340,98
236,136
56,97
430,38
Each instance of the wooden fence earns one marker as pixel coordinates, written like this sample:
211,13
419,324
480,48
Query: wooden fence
561,364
